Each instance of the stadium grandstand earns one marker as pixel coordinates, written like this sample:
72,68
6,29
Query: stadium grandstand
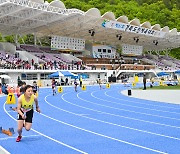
81,42
80,55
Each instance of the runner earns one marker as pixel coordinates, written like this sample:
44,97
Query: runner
54,86
75,85
25,110
35,88
99,82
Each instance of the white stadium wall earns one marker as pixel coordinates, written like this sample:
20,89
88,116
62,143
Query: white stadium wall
59,42
103,51
132,49
8,47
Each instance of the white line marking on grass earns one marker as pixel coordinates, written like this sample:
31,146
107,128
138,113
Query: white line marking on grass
47,136
155,115
120,115
114,124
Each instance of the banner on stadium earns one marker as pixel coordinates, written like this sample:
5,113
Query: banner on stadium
114,25
132,28
145,31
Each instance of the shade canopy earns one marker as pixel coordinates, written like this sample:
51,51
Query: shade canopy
162,74
178,72
44,19
68,74
4,76
61,74
56,74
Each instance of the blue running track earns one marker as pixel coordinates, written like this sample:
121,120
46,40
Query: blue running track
95,121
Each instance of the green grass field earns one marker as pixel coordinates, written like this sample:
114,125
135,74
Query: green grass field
164,88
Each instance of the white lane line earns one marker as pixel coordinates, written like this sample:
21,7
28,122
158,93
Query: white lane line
50,138
11,111
6,138
155,123
119,92
3,151
106,122
102,135
83,114
136,106
154,115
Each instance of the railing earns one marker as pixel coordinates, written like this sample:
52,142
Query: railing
44,7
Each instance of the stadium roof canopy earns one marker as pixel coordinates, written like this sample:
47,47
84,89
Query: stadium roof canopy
48,19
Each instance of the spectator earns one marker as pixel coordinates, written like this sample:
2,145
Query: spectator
144,82
55,64
32,62
22,88
62,81
7,56
66,81
16,56
4,89
80,81
152,82
97,60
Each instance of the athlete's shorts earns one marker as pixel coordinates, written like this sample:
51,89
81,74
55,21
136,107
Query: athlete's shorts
18,95
53,86
29,116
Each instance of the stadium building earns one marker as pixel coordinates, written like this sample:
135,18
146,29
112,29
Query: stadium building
84,43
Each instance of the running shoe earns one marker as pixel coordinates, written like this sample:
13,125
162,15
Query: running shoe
18,139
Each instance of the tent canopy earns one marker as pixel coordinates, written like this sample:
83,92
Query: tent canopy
5,76
56,74
162,74
61,74
68,74
178,72
83,75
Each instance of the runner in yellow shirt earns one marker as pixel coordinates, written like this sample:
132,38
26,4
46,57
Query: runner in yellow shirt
25,110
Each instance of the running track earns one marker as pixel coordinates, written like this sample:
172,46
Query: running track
95,121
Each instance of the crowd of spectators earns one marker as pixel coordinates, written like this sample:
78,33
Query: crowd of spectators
13,61
9,61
